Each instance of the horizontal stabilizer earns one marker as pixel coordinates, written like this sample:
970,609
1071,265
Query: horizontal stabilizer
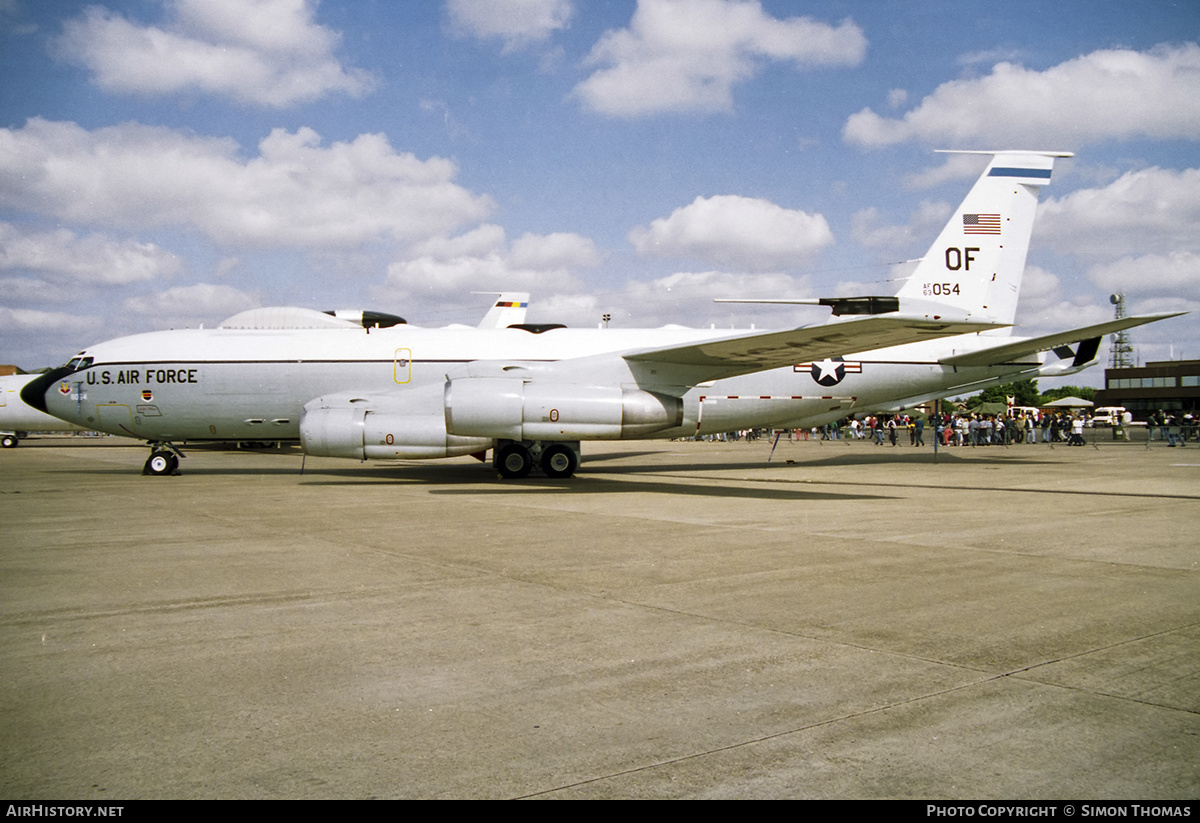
1009,352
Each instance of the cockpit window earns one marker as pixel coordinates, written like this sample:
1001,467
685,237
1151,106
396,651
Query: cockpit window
79,362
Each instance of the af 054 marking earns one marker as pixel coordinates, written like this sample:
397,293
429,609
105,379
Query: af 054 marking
941,288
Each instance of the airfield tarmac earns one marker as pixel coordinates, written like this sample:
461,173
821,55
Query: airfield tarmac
679,620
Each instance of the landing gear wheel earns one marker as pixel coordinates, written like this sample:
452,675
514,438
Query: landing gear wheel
9,441
514,461
161,463
559,462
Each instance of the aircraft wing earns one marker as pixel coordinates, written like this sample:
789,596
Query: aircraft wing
1009,352
744,353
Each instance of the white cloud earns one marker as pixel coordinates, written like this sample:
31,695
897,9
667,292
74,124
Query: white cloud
735,232
431,289
187,304
28,290
697,290
686,55
1077,311
428,275
579,310
989,57
1114,94
869,230
61,258
561,250
478,242
1039,286
1172,339
296,192
1176,273
258,52
1151,211
954,167
42,322
483,260
685,298
517,22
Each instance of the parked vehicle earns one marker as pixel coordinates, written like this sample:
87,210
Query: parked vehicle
1108,416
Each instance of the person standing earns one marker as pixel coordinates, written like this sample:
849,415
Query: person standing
1077,431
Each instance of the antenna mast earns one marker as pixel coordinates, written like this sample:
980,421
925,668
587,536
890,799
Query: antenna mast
1121,352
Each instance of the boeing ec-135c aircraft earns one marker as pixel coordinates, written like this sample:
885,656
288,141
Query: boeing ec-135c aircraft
357,387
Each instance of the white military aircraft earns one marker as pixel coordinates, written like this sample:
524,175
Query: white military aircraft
17,418
350,386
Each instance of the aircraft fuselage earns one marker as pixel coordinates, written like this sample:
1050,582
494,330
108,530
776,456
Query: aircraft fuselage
254,384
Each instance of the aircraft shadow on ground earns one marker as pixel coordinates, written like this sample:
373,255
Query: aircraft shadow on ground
463,479
833,457
921,457
603,485
469,480
603,473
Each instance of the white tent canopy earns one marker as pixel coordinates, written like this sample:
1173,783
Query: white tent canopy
1070,403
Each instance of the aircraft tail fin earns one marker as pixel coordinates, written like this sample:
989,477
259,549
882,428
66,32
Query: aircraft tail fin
976,263
508,310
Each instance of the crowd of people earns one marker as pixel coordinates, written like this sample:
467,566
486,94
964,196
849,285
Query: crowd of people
1176,429
978,429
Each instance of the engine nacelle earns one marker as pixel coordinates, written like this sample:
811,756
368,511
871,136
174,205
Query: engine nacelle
364,434
498,407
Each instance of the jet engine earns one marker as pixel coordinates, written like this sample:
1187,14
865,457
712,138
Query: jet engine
364,434
504,408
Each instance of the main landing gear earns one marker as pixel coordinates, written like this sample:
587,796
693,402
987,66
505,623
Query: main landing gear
163,460
516,459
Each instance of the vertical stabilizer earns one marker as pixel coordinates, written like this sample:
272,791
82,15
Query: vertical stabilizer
977,261
508,310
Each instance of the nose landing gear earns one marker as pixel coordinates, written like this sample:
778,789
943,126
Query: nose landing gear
163,460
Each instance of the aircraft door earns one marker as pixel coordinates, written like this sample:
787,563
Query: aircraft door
402,366
113,417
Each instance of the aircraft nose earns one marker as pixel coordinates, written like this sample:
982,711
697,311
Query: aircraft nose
33,393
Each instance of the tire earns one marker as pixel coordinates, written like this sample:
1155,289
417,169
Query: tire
559,462
160,464
9,441
514,461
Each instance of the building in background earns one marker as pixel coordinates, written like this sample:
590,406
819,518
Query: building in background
1169,385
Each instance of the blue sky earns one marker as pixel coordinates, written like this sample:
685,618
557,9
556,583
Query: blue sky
168,163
